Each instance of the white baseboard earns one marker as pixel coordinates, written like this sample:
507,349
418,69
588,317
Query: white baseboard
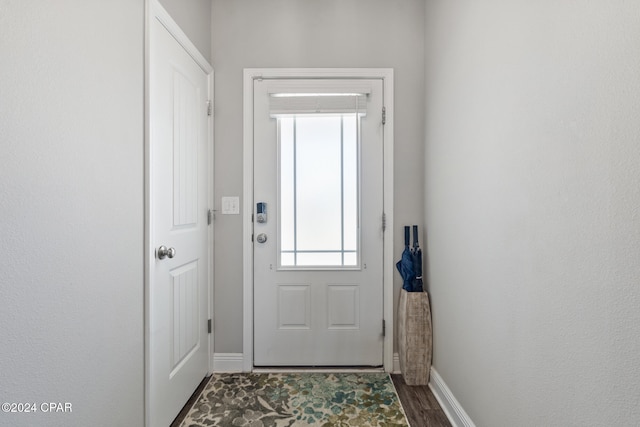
450,405
396,363
228,362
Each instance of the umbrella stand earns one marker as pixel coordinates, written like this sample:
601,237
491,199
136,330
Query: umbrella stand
414,319
414,337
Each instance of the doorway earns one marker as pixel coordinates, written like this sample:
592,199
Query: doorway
319,146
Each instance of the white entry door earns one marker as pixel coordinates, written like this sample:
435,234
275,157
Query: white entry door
318,222
178,310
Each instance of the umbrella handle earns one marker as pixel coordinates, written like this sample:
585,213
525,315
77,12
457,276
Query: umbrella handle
415,236
406,235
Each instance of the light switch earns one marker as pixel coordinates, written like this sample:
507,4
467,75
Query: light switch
230,205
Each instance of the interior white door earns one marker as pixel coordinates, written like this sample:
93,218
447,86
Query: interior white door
179,188
318,228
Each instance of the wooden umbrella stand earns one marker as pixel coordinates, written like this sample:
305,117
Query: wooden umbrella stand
414,337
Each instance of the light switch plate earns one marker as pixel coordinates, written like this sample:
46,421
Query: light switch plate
230,205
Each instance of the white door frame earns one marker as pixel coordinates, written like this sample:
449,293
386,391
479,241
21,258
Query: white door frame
154,10
250,74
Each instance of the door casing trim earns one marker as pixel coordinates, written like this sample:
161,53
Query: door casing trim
386,74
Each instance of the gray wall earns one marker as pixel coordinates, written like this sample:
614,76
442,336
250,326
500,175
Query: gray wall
71,207
532,208
194,18
291,33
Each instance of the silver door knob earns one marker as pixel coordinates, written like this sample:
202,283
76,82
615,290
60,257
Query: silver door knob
262,238
163,252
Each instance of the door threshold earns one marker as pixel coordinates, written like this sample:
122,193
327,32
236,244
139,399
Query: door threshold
317,369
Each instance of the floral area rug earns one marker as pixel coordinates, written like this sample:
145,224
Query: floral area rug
300,399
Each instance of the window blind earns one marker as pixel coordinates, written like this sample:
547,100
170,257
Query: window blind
286,104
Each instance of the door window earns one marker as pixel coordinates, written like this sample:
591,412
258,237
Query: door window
318,184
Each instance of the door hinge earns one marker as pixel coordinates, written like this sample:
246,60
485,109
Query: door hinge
384,328
209,108
384,115
384,221
210,216
209,326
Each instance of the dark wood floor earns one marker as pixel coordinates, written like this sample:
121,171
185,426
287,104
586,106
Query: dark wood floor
187,407
419,404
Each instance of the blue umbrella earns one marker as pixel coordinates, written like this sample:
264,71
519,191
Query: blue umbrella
416,256
405,265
